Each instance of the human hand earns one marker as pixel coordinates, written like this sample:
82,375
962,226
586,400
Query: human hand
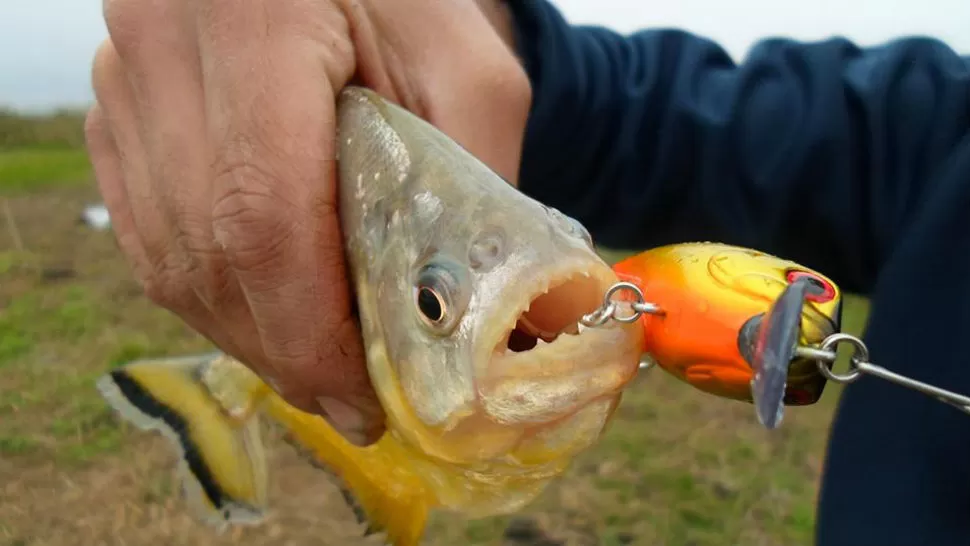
213,142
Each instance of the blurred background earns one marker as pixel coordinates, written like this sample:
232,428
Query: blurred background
676,468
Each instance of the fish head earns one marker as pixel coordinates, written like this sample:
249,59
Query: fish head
469,295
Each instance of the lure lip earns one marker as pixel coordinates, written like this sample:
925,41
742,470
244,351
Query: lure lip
768,342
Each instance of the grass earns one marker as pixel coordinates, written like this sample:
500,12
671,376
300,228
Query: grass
676,467
26,169
41,151
55,338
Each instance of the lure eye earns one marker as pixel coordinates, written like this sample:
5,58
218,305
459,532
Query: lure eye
820,290
439,297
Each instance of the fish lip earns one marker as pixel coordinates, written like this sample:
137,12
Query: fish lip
541,384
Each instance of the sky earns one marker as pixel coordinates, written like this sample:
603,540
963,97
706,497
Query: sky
46,46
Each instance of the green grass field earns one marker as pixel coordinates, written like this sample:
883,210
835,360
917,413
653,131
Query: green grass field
32,168
677,467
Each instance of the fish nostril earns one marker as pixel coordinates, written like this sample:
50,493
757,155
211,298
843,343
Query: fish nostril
487,250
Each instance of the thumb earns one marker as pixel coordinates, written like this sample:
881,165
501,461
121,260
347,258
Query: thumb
463,77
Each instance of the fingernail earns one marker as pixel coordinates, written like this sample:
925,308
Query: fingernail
348,421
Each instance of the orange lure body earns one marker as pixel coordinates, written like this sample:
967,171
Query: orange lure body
713,297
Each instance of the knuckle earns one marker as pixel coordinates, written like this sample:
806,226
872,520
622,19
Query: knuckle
167,276
204,268
162,281
106,69
132,24
250,220
96,133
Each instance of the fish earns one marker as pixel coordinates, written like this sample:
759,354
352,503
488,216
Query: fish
729,318
470,296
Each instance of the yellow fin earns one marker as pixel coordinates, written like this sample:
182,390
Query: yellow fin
391,495
222,464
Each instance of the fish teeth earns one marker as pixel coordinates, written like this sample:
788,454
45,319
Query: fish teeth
535,330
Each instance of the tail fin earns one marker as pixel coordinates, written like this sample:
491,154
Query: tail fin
222,464
207,406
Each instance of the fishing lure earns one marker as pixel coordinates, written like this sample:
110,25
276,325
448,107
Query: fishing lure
728,321
744,325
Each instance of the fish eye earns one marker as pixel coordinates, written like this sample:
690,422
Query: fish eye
439,297
431,304
820,291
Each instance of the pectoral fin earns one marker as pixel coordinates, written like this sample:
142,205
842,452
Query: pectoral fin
379,482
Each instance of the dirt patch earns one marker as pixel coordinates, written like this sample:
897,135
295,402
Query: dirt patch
133,500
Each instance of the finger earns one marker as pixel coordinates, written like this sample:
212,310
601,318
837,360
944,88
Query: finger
272,132
124,181
106,162
156,44
114,95
163,66
483,105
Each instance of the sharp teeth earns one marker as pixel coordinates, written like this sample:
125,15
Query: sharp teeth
533,330
572,329
580,327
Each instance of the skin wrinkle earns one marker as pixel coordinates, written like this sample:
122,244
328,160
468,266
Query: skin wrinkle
107,165
109,74
283,353
186,262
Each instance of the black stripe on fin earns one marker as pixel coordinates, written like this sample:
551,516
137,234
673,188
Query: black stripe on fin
143,401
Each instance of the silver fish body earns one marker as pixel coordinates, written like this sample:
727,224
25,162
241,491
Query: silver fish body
452,266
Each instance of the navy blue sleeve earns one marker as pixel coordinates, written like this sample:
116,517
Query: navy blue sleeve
821,151
854,161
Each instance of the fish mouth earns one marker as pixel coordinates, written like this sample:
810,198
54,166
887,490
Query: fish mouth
545,363
557,311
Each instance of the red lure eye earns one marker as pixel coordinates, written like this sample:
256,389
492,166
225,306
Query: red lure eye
824,292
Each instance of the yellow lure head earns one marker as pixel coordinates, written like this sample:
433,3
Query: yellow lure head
715,298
